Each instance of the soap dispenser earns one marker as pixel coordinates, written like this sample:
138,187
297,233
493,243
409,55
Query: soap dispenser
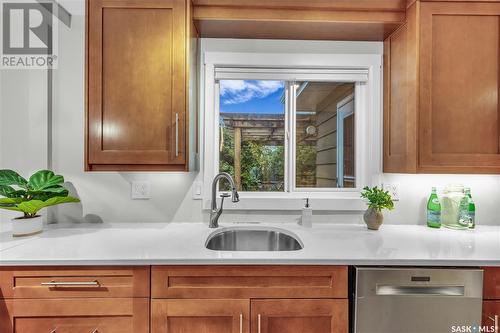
307,212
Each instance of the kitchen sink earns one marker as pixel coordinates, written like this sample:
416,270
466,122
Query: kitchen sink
253,239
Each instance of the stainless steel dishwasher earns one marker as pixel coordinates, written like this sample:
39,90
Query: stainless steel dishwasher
417,300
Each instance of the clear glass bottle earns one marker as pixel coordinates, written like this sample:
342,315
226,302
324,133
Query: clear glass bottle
463,211
471,210
450,206
433,210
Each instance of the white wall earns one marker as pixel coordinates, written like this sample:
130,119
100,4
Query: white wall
23,122
106,195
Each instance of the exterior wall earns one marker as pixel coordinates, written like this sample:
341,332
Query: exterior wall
326,159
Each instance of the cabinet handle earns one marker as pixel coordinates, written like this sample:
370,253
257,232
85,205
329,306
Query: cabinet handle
55,331
70,283
241,322
258,323
495,323
176,134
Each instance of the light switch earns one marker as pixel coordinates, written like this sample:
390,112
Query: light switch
141,190
197,190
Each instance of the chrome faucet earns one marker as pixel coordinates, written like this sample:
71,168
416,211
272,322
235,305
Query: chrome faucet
216,212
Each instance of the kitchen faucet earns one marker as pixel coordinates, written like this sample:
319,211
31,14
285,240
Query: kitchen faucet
214,212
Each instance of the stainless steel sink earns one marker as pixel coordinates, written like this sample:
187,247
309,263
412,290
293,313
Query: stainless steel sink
253,239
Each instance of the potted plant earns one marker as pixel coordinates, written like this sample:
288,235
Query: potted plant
378,199
43,189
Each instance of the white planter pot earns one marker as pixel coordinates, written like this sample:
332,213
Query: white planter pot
26,227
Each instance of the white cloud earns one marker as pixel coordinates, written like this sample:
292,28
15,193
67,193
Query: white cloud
241,91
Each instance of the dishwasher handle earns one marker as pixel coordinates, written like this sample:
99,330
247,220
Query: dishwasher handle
401,290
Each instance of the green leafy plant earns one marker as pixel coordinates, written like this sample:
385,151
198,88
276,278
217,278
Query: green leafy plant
378,199
43,189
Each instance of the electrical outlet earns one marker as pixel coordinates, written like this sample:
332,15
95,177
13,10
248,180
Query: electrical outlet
393,190
141,190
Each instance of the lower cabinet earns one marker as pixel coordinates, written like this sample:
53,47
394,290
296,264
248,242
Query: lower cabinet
255,316
104,315
249,299
174,299
491,315
299,316
200,315
491,303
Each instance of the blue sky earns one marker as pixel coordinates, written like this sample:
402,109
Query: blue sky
251,96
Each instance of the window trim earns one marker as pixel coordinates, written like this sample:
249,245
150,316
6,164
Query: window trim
368,97
340,137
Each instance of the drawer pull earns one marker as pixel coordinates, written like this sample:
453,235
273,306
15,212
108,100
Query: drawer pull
70,283
176,134
258,323
55,331
241,323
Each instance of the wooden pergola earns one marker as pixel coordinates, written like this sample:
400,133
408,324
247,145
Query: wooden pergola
266,129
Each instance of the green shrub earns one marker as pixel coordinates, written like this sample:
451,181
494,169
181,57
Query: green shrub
378,199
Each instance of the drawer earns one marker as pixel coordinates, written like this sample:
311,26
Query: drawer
249,281
106,315
62,282
491,288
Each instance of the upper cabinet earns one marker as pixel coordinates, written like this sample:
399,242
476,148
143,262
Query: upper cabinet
364,20
441,106
137,85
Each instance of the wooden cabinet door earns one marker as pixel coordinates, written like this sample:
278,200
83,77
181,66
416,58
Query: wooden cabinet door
136,85
491,315
200,316
491,285
120,315
300,316
459,127
401,96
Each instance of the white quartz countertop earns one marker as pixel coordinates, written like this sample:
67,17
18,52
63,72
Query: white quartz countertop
184,243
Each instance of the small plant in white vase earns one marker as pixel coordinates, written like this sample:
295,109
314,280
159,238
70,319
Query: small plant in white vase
43,189
378,199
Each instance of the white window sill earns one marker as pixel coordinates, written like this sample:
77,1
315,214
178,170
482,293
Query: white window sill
277,203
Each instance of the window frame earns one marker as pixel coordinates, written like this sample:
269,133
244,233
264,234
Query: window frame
367,100
286,174
340,136
358,173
